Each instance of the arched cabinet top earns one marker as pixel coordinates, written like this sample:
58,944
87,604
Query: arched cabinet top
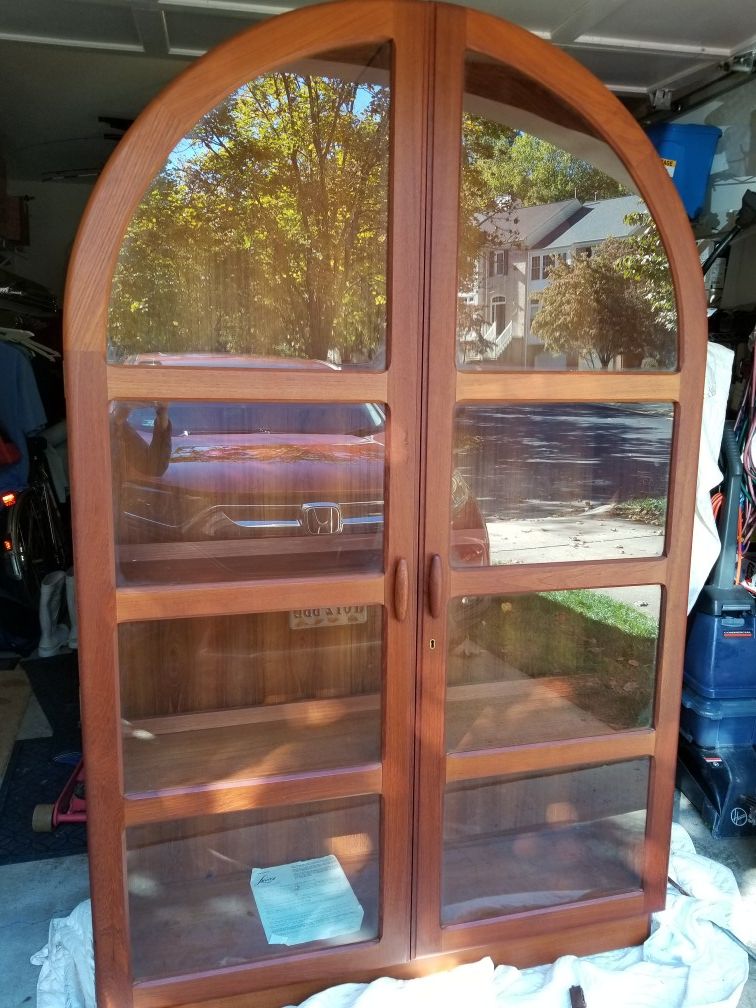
562,91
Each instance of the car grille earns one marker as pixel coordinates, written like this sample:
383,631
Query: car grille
270,520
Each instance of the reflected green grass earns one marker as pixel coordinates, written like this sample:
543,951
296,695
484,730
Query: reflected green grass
648,510
596,652
597,606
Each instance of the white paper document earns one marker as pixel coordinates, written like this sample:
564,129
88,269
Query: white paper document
305,901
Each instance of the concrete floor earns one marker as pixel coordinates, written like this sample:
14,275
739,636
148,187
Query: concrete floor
32,894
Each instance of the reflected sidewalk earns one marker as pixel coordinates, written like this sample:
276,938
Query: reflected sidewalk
560,540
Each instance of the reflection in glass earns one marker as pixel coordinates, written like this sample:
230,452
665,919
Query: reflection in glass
560,266
191,906
221,491
557,482
231,698
262,242
512,845
550,665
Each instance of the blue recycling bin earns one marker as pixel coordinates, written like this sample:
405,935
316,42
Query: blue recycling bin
687,150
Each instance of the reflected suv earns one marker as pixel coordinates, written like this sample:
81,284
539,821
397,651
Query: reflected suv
210,490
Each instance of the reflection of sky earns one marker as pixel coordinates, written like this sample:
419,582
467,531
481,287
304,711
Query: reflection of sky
184,150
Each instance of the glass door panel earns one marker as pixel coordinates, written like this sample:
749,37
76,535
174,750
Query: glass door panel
220,491
560,263
557,482
262,242
238,698
196,887
554,391
253,521
513,845
546,666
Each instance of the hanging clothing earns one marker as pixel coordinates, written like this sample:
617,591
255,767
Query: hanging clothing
21,412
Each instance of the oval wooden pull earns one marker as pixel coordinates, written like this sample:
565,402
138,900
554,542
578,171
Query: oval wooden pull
401,589
434,586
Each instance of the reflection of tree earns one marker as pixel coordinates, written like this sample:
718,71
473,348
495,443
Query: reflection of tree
644,260
538,172
266,233
593,308
471,321
485,148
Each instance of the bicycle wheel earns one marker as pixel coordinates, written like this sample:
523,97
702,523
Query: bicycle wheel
59,552
36,538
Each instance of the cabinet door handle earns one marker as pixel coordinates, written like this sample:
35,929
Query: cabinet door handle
401,589
434,586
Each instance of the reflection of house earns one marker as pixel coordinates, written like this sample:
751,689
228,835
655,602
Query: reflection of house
514,268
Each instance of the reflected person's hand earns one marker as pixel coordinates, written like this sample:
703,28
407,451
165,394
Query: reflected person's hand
162,421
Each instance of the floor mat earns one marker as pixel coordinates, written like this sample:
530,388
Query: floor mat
55,682
33,779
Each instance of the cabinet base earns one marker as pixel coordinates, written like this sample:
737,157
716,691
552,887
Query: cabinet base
579,941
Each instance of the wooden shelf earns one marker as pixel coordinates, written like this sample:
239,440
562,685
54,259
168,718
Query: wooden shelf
191,906
241,745
246,744
516,712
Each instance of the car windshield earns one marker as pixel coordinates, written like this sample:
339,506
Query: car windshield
356,419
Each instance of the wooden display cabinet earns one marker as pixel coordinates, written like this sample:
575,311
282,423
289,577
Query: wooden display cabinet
354,575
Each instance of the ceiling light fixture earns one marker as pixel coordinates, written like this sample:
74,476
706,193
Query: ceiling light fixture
70,175
229,6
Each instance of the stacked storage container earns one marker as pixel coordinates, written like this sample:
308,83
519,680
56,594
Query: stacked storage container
717,759
719,687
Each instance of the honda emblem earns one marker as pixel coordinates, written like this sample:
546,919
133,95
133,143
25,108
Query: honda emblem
322,519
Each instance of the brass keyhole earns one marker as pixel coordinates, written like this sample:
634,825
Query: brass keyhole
432,644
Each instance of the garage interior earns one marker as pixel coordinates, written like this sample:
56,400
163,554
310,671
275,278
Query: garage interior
76,73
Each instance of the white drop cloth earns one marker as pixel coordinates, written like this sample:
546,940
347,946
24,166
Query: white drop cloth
685,963
706,546
66,979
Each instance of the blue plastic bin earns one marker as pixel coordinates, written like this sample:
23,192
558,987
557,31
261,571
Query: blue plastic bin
688,150
712,723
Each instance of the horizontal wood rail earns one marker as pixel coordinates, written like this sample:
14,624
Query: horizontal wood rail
167,383
572,386
289,789
235,598
519,578
550,756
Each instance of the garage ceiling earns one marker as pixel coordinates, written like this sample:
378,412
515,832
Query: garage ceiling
66,63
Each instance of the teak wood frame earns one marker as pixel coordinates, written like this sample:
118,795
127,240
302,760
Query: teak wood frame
429,42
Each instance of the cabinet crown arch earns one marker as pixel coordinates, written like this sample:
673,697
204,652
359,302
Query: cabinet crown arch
283,40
